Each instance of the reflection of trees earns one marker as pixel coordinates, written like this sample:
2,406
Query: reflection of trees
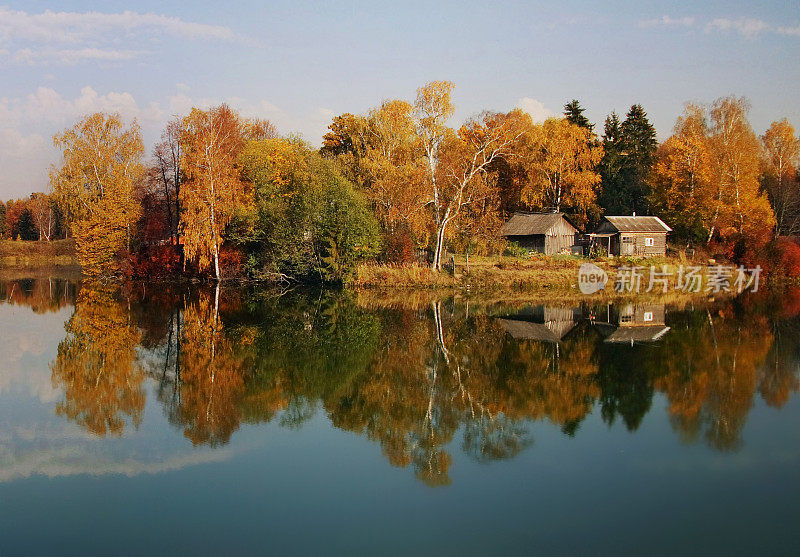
710,374
211,382
96,364
413,381
42,295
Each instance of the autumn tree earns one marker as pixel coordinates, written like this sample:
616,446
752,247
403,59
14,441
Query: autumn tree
43,212
432,109
211,141
706,176
467,158
739,206
780,159
561,164
682,179
166,173
257,129
95,186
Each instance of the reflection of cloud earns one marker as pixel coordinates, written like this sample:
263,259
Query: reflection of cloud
74,459
30,342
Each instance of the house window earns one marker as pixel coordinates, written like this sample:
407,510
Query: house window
625,318
628,240
648,316
649,242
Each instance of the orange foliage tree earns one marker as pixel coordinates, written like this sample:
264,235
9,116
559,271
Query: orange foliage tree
212,191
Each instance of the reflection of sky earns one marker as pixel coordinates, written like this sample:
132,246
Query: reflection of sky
35,441
318,489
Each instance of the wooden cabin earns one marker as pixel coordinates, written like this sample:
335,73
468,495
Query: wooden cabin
632,236
548,233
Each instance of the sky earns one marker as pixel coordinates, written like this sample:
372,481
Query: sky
301,63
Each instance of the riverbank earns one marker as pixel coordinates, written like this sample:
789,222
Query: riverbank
547,275
19,259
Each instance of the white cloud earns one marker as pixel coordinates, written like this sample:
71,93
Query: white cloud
94,36
73,27
791,31
30,57
538,112
667,21
747,27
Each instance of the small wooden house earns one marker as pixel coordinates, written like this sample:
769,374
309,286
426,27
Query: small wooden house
632,236
548,233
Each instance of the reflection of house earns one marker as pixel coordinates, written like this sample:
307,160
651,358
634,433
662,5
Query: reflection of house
633,236
549,324
548,233
631,323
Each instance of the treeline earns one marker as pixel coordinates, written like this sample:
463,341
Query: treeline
37,217
227,196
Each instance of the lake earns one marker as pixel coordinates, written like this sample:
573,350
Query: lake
157,418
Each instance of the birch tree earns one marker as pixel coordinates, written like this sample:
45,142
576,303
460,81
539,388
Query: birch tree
467,159
211,141
561,161
781,153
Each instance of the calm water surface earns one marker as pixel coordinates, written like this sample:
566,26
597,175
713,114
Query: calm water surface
160,419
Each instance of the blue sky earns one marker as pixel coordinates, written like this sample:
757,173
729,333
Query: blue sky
300,63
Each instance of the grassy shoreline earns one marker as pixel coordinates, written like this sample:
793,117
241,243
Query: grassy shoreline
545,278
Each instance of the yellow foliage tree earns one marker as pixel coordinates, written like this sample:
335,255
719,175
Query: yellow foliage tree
781,153
738,205
561,159
95,187
212,189
682,176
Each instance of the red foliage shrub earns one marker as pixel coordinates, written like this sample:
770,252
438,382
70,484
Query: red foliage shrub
158,261
231,262
399,246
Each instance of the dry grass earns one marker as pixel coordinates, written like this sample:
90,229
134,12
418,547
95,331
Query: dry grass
371,275
19,254
537,278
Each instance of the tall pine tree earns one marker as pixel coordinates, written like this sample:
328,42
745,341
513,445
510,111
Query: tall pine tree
573,112
630,149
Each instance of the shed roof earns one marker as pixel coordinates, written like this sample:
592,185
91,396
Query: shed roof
638,224
527,224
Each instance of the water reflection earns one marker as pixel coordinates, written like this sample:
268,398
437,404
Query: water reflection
421,382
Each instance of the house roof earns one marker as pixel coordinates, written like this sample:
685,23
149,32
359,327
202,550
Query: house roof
637,224
526,224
